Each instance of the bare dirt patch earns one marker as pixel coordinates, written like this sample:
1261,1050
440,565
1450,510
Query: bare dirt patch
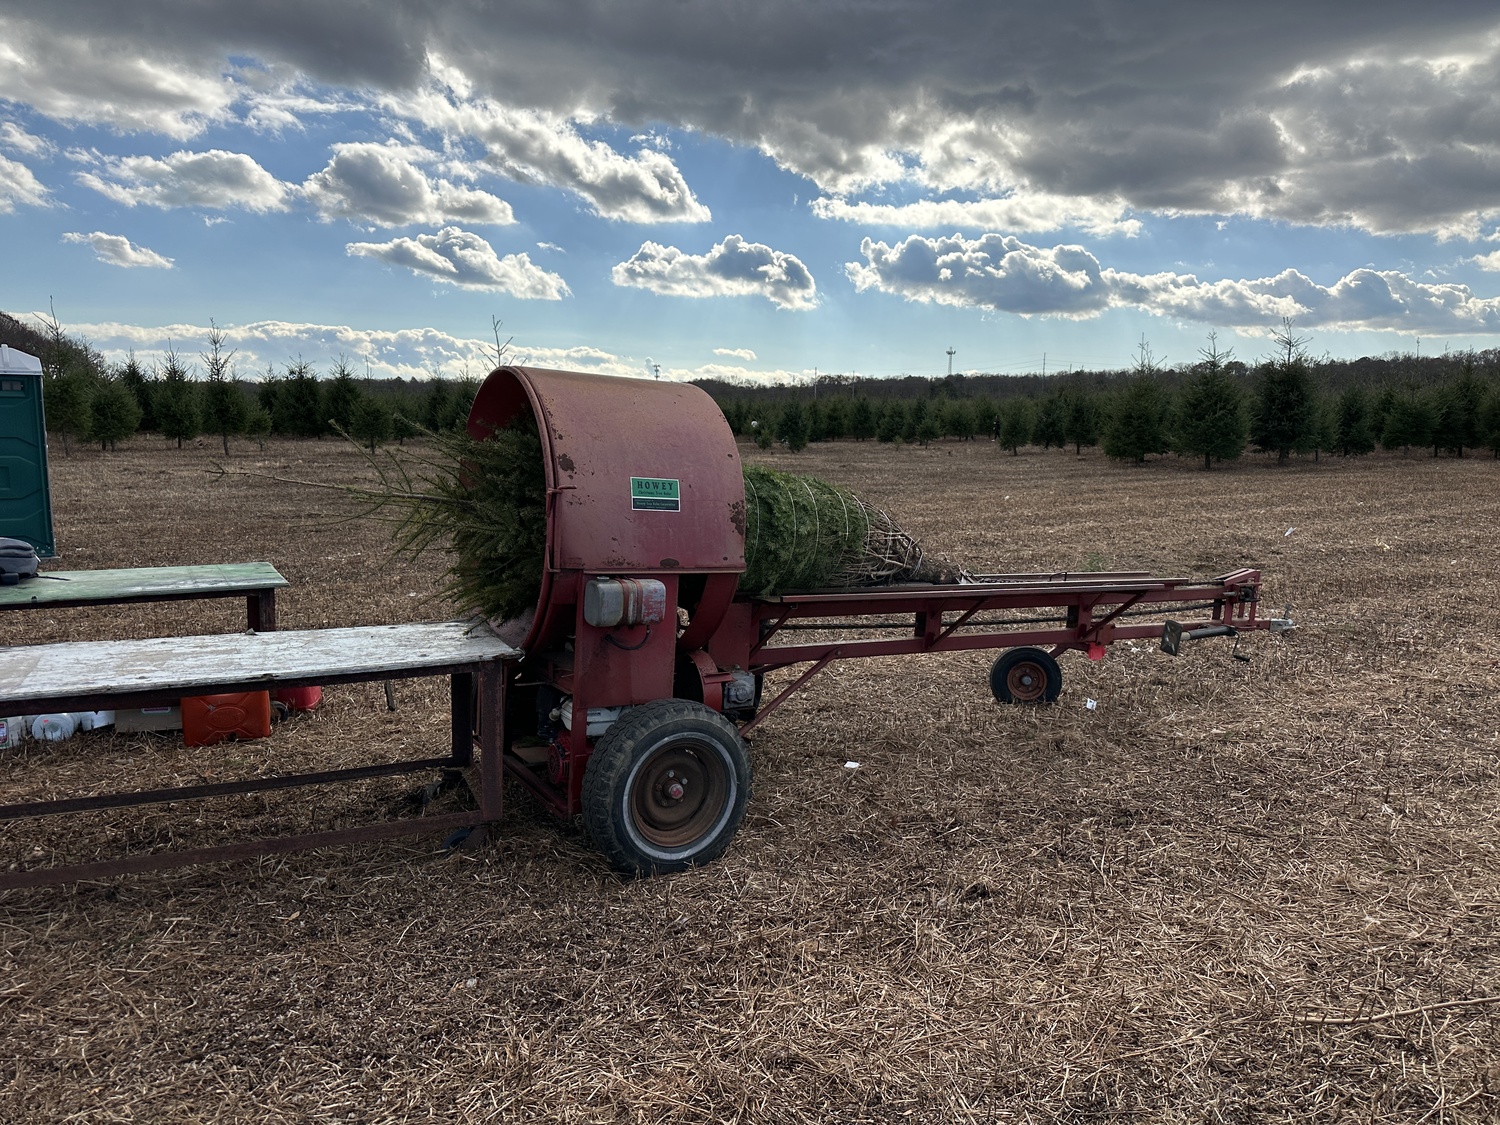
1231,892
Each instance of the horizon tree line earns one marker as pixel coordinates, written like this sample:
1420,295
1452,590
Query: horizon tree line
88,399
1214,409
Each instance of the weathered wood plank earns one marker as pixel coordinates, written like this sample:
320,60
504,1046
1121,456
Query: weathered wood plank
192,664
58,587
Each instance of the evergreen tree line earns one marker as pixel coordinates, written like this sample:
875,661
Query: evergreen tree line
88,399
1213,410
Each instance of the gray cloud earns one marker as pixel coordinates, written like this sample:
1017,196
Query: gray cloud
383,184
117,250
733,268
131,81
1385,119
459,257
1005,274
215,180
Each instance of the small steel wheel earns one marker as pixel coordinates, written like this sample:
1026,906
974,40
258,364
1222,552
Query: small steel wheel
1025,675
666,787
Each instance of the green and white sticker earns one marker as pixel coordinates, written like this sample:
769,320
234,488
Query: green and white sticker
655,494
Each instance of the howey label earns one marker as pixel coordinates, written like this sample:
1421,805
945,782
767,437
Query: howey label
655,494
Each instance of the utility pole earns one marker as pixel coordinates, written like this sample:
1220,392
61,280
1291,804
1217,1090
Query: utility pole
950,360
657,368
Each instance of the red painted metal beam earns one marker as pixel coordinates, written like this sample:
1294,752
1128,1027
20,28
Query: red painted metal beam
1231,598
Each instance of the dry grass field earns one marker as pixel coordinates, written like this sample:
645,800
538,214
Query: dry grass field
1231,892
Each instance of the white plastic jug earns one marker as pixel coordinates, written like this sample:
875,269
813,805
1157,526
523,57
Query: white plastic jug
53,728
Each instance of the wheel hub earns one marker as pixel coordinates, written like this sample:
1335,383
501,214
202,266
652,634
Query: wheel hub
1026,682
680,794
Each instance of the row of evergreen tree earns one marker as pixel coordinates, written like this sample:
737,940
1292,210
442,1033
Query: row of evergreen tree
88,399
1214,410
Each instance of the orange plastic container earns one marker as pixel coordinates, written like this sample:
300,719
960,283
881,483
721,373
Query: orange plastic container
299,698
207,719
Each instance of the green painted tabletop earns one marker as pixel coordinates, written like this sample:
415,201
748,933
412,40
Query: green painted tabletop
58,587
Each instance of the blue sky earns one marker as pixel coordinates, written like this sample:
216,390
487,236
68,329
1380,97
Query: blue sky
760,191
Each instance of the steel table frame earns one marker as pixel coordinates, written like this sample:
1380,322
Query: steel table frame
477,708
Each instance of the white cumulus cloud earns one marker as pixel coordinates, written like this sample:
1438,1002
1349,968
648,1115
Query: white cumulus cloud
411,353
384,184
215,180
1003,273
459,257
408,353
18,185
733,268
117,250
17,139
1024,211
540,148
736,353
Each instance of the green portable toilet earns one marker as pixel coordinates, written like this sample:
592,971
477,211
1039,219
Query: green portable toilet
25,501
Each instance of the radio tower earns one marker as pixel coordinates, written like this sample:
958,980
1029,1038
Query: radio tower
950,360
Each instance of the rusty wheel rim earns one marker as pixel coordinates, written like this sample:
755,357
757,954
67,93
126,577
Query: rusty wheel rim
1026,681
681,791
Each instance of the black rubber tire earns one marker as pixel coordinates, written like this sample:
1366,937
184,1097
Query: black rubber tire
1025,675
639,825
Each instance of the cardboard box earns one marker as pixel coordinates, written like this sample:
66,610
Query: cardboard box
131,719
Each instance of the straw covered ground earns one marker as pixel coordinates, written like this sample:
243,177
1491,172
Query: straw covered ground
1230,892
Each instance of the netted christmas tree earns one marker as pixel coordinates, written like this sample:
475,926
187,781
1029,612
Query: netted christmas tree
485,503
802,533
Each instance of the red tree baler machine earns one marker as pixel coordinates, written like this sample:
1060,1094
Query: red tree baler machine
644,666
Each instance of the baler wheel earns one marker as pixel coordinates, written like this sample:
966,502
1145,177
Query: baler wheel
1025,675
666,787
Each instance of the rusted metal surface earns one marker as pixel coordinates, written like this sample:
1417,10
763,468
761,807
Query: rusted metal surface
1088,610
601,433
491,732
643,481
1086,613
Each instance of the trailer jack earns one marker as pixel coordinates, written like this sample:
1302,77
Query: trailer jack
1173,634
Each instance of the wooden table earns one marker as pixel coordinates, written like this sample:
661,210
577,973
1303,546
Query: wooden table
101,675
256,582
